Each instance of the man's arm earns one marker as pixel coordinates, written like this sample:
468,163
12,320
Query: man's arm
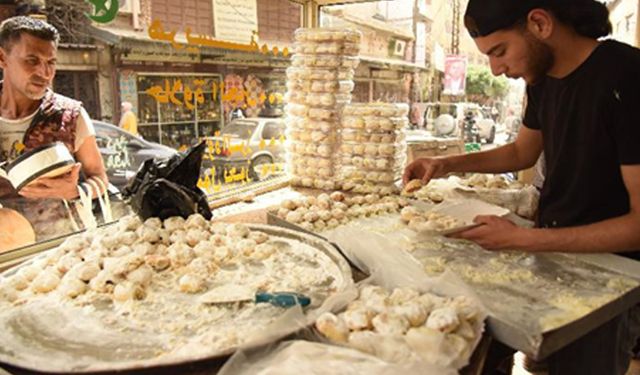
618,234
521,154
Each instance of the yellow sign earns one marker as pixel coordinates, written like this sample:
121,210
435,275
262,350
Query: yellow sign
212,182
167,94
195,41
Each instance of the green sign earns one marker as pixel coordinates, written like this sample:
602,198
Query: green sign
103,13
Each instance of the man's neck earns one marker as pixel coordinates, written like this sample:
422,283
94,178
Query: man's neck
568,59
14,105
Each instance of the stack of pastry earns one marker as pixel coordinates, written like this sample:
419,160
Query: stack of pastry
319,85
373,148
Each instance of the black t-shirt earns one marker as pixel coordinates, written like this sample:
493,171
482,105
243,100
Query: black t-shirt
590,123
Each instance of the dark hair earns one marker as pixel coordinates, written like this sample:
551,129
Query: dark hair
588,18
12,28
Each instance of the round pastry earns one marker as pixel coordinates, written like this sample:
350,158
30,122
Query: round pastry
412,186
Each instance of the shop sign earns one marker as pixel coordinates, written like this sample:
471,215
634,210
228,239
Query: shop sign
235,20
103,13
193,96
195,41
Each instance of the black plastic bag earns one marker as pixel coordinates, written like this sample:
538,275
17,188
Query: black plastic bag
164,188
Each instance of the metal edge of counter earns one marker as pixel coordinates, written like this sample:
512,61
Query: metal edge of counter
557,339
560,337
16,256
19,255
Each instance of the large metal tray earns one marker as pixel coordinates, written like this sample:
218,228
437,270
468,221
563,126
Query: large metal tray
84,352
515,307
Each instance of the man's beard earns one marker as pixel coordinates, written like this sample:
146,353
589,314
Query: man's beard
541,59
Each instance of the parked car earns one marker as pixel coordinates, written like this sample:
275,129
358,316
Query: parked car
248,142
446,120
123,152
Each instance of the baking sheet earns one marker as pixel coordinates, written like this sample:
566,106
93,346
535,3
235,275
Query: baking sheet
45,335
537,303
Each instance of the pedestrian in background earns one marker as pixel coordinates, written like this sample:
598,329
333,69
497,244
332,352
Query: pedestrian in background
128,120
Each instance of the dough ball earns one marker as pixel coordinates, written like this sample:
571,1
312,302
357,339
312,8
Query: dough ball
403,295
158,262
333,327
390,324
46,281
190,283
174,223
72,287
128,291
196,221
412,186
444,319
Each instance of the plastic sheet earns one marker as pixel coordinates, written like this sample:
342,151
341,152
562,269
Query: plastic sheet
304,357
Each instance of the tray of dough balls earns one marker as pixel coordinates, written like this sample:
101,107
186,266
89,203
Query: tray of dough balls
404,325
315,214
139,294
538,302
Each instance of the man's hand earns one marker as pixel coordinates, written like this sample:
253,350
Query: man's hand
63,187
424,169
495,233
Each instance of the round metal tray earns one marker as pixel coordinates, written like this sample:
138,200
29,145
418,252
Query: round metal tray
53,348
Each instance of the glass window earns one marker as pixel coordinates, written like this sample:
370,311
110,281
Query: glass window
273,130
240,128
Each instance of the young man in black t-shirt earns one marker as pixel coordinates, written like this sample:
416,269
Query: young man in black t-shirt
582,95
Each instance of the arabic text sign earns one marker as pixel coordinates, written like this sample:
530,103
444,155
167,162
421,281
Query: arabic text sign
235,20
213,181
191,96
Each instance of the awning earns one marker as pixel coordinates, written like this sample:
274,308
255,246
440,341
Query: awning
392,64
137,45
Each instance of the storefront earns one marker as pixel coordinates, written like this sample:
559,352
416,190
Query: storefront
180,96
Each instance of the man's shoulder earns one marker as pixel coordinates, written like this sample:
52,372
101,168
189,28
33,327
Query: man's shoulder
65,102
621,55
